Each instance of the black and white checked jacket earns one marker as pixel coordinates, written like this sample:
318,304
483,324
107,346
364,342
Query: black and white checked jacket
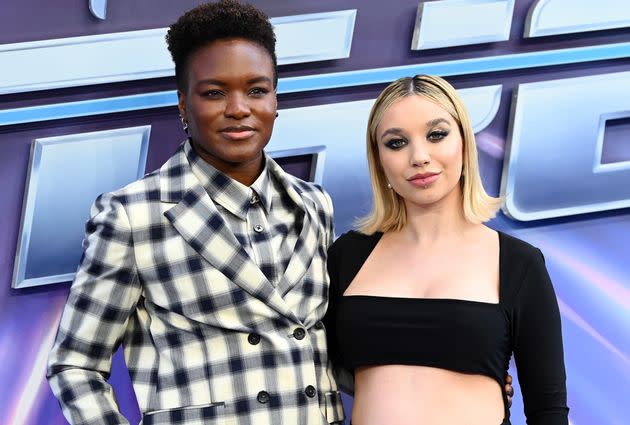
262,216
207,338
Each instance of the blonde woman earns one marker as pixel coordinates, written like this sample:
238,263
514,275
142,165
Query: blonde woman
427,304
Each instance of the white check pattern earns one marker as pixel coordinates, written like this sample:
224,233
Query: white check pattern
207,338
263,217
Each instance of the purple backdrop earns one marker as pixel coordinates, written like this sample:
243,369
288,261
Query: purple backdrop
382,35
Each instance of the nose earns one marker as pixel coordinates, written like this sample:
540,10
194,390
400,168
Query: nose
237,106
420,156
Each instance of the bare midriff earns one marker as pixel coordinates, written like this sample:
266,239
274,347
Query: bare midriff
412,395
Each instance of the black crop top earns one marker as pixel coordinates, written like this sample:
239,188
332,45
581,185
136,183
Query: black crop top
458,335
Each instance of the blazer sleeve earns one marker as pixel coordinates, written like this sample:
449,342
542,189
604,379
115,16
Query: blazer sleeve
102,297
329,219
538,351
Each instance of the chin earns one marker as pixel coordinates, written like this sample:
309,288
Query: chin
244,157
426,200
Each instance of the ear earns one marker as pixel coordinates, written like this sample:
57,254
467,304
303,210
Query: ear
181,104
275,97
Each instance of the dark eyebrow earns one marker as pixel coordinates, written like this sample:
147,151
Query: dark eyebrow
399,131
394,130
261,79
211,81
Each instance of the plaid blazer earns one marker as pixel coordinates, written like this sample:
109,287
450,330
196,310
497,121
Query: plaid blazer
207,339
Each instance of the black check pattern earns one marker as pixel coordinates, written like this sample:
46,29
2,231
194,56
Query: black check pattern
264,219
208,338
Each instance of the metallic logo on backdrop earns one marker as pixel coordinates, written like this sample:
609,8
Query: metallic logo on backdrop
554,164
98,8
557,159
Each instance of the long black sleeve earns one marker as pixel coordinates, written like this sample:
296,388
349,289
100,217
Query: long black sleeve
538,351
344,378
331,312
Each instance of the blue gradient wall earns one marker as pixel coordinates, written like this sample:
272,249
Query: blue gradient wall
547,83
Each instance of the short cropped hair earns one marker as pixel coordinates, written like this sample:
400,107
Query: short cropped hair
388,210
222,20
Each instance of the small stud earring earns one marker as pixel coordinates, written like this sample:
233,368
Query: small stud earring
389,186
277,114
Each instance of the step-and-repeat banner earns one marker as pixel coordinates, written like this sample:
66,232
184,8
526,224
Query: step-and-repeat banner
88,104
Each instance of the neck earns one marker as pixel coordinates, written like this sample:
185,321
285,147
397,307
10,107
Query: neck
245,173
435,222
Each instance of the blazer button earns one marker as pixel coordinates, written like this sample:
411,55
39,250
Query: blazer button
263,397
299,333
310,391
258,228
253,339
319,325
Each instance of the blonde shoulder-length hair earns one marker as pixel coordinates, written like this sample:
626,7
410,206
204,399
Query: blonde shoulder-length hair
388,210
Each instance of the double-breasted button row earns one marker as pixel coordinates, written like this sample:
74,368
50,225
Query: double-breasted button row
299,333
253,339
264,397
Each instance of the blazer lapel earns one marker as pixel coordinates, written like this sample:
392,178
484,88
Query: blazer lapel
307,243
198,221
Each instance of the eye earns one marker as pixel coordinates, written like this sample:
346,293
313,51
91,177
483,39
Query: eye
437,135
395,144
258,91
213,93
